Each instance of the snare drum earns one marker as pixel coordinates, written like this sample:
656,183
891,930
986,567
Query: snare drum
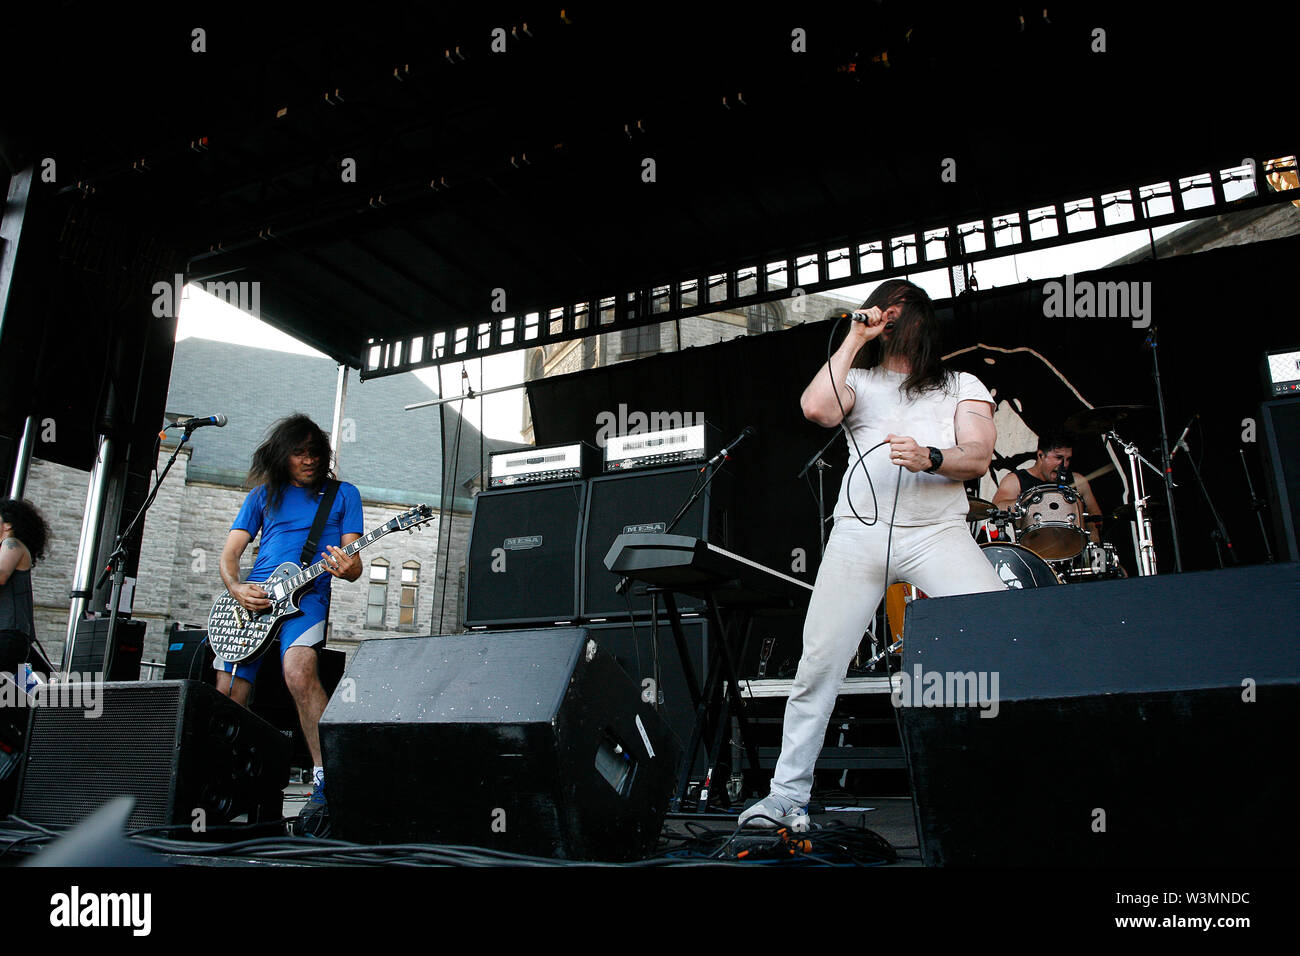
1051,522
1018,567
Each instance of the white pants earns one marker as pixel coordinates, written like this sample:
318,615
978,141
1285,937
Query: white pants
939,559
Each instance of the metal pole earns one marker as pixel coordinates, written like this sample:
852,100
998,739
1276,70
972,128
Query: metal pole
24,459
84,573
340,402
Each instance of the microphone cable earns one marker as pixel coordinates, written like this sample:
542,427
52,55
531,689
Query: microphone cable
861,462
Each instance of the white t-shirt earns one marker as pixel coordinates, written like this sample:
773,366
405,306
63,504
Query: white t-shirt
880,408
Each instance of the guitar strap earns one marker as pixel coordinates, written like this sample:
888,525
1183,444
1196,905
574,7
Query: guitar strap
322,512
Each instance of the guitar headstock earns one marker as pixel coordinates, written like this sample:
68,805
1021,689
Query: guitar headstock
417,516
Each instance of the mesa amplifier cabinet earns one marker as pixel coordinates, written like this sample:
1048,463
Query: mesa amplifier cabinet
644,501
523,555
531,742
176,746
1281,419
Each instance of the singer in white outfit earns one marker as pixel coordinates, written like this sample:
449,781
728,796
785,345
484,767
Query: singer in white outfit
886,383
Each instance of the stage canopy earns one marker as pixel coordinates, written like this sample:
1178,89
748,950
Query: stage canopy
401,171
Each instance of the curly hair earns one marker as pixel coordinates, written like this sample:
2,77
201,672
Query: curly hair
28,524
270,466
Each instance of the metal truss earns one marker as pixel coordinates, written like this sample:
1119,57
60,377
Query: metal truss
859,259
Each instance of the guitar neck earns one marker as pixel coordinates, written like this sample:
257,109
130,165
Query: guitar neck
313,571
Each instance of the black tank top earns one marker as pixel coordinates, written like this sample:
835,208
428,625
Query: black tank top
16,604
1028,481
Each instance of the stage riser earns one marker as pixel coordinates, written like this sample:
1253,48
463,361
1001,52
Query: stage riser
1162,708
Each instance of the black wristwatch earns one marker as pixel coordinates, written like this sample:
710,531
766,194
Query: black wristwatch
936,460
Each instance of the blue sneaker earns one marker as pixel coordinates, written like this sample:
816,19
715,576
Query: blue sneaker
773,811
314,820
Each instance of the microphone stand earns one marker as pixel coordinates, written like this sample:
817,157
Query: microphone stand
1220,533
117,560
1258,506
821,465
694,496
1166,461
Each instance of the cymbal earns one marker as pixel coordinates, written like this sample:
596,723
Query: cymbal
978,508
1098,421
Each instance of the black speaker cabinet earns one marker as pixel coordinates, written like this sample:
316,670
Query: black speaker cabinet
189,656
1281,434
634,650
527,741
92,641
643,501
176,746
523,556
1139,722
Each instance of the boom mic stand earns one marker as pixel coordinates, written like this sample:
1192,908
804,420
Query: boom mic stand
1165,459
117,560
1220,532
817,461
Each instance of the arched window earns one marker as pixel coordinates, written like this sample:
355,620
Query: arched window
377,601
410,595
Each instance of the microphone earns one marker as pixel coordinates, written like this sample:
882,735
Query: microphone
855,316
749,432
1064,478
1179,444
189,424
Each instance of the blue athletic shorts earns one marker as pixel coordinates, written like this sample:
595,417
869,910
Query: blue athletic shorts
302,630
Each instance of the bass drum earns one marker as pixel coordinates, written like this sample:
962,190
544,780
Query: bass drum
1018,567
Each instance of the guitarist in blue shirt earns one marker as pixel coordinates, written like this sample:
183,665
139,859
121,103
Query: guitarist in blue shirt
289,471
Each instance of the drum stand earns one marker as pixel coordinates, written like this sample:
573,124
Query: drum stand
1146,543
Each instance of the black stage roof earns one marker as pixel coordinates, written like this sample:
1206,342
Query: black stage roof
523,170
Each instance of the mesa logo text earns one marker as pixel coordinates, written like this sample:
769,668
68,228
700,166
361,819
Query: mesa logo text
77,909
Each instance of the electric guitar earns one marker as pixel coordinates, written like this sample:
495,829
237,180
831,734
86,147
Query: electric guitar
238,634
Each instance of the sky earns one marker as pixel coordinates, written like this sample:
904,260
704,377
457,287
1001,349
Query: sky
204,316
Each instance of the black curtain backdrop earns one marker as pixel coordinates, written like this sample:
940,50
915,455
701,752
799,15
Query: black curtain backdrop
1217,312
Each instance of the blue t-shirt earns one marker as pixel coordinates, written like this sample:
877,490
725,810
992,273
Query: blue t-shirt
285,530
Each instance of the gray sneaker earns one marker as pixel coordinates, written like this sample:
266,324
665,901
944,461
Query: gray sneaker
781,811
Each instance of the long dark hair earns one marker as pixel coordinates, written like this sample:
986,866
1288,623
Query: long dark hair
916,336
271,460
29,525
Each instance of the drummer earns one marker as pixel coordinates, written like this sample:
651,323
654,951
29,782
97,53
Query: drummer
1055,449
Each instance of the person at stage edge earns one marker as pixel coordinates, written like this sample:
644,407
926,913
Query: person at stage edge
23,538
289,471
886,385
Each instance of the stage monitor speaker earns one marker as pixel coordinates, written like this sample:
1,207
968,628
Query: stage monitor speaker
523,556
643,501
635,652
1281,421
531,742
92,640
176,746
1138,722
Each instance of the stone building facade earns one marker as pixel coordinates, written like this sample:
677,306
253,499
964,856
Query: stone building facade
402,584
